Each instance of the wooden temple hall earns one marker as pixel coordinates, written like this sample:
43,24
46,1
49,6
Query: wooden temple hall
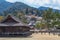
11,26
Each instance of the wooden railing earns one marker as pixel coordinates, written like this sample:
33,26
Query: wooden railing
14,32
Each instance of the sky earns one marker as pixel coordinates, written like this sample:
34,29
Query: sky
37,3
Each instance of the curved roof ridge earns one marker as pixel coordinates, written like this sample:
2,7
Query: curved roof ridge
16,19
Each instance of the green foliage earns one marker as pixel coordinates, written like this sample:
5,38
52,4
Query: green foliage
40,25
22,17
50,15
1,18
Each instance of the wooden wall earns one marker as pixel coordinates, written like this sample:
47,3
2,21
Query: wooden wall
14,29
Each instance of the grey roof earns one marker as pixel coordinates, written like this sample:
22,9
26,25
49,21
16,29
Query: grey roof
16,19
13,24
17,24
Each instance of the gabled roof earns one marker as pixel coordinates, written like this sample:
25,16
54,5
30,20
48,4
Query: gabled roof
12,17
18,22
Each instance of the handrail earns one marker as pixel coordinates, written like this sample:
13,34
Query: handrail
14,32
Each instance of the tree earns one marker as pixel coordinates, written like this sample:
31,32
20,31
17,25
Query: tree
22,17
48,16
5,13
1,18
40,25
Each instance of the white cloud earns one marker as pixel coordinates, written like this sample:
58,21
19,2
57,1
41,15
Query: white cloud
11,0
37,3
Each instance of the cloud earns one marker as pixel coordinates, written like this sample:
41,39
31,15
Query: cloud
37,3
11,0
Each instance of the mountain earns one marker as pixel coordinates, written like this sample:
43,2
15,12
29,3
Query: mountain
45,8
18,7
4,5
21,7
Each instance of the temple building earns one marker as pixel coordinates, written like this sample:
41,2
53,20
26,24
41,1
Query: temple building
12,26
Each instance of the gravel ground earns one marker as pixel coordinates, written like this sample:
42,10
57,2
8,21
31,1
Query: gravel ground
35,36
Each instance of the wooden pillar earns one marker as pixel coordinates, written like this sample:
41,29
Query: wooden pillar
0,29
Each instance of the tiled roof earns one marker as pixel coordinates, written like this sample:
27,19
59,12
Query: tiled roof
13,24
17,24
13,17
